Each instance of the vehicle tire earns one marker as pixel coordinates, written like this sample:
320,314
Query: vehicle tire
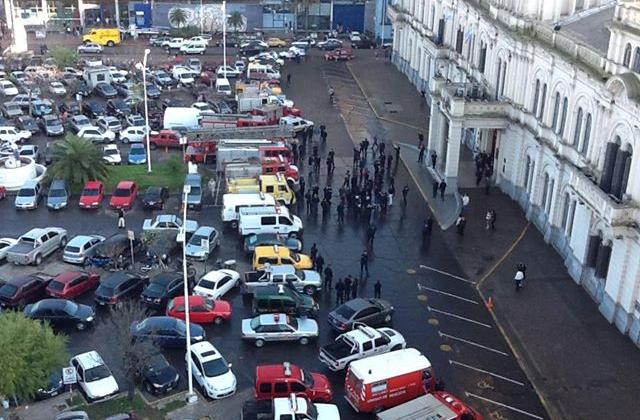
310,290
125,140
234,224
259,343
387,319
38,260
63,242
110,44
81,326
293,235
218,320
304,341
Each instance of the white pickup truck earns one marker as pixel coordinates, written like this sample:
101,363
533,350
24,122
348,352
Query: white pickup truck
362,342
36,244
289,408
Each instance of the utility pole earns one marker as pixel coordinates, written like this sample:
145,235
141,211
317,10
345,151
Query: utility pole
117,5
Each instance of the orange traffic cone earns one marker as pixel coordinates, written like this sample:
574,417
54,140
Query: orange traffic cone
490,303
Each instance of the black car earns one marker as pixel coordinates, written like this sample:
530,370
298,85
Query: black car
329,45
93,109
124,89
221,107
173,103
153,91
118,107
371,312
166,331
105,90
27,123
61,312
71,108
83,89
53,386
155,198
260,239
161,288
363,43
118,285
158,376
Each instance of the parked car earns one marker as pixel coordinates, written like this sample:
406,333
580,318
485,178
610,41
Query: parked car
36,244
70,107
93,109
152,91
204,240
11,110
80,248
158,376
92,195
58,196
135,120
217,283
169,221
109,123
125,89
29,196
329,44
283,379
279,327
97,134
264,239
201,310
118,285
94,377
105,90
90,48
57,88
71,284
77,122
166,331
30,151
339,54
137,154
7,88
5,244
211,371
162,288
27,123
371,312
163,79
118,107
124,197
51,125
11,134
111,154
19,291
155,198
61,312
52,386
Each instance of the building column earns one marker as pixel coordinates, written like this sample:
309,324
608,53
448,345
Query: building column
435,125
453,155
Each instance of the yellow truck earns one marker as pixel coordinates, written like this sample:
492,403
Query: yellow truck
276,185
103,36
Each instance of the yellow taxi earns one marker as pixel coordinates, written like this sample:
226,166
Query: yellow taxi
279,255
276,42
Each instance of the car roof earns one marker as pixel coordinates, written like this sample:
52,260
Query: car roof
266,250
113,279
193,300
277,371
125,184
358,304
166,277
21,280
393,364
203,348
89,359
79,240
204,230
160,321
273,319
67,276
166,218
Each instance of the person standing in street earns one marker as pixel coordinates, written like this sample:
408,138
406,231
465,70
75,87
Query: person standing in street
420,138
460,224
364,263
121,221
328,278
493,219
421,154
405,191
377,289
435,186
487,220
354,289
434,157
313,253
340,213
339,292
442,187
319,263
347,289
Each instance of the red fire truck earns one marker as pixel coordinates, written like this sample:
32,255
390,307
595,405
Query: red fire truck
439,405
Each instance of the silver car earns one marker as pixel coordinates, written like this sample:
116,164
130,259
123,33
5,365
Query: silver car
279,327
28,196
80,248
204,240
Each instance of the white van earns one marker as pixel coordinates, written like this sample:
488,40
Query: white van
223,86
175,117
261,71
269,219
183,75
232,203
193,47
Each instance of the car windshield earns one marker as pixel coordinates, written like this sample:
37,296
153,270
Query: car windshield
121,192
82,121
195,190
8,290
96,373
56,285
57,193
207,284
111,152
196,240
113,123
137,151
26,192
217,367
345,311
54,122
307,378
90,192
155,287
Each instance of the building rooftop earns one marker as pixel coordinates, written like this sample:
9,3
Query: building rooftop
592,29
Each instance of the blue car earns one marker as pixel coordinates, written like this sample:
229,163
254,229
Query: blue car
137,154
166,331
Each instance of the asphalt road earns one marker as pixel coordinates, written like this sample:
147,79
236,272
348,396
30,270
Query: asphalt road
482,365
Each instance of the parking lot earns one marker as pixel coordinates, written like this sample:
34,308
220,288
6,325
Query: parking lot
437,309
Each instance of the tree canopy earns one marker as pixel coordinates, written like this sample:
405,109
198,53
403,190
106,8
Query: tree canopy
77,161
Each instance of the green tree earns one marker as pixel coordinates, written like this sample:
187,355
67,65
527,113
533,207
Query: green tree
235,20
77,161
178,17
64,57
31,353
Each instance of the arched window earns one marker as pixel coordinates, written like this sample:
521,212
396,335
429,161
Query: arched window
432,17
636,60
628,156
565,211
626,60
504,78
584,148
563,118
543,100
527,169
536,97
556,108
545,192
498,74
483,57
576,134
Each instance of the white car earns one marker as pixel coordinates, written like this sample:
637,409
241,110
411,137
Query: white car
292,53
7,88
133,134
90,48
201,39
230,71
211,371
94,377
13,135
279,327
110,123
97,134
5,244
202,106
57,88
193,47
297,123
80,247
111,154
118,76
217,283
173,43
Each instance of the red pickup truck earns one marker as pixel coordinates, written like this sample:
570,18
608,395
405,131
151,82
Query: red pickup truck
164,138
339,54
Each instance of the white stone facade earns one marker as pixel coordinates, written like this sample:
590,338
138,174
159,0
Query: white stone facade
560,119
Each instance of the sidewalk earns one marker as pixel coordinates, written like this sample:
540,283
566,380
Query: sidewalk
579,364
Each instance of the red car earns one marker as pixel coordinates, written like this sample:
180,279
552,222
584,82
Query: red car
339,54
92,195
72,284
202,310
124,196
281,380
164,138
20,291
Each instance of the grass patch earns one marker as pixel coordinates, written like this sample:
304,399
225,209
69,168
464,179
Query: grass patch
168,174
124,405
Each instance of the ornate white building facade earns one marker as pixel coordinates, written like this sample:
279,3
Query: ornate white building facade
550,89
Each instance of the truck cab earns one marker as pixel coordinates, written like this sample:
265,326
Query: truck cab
281,380
299,408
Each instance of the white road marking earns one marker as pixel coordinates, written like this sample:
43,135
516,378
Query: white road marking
517,410
472,343
495,375
459,317
421,287
447,274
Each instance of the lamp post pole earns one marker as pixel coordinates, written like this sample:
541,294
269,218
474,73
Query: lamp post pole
191,396
146,107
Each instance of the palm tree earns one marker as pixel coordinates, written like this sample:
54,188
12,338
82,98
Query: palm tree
178,17
77,161
235,20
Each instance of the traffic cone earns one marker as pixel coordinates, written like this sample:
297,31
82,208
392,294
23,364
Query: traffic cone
490,303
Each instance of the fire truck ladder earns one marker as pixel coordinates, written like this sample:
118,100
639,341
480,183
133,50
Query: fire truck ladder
204,135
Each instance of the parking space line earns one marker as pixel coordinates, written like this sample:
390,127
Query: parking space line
421,287
458,317
495,375
472,343
447,274
517,410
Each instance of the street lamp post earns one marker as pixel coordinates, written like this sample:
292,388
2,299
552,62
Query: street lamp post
191,396
201,18
146,107
224,38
